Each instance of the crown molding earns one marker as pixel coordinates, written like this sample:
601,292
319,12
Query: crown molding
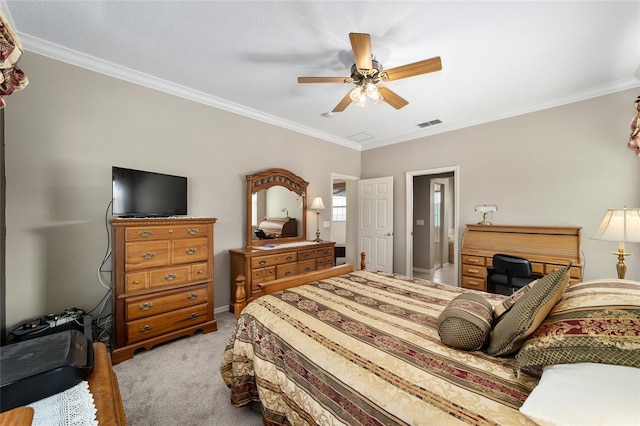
583,95
63,54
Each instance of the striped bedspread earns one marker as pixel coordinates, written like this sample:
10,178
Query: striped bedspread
363,349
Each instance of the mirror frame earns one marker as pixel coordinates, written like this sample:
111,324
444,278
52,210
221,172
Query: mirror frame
265,180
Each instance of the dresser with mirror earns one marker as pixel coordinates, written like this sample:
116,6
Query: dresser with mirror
276,231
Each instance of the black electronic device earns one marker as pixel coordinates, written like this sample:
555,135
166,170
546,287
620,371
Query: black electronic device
37,368
70,319
138,193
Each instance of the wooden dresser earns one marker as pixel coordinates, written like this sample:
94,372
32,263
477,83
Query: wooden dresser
163,281
260,265
547,247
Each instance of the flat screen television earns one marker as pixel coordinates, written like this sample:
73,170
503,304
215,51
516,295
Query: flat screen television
137,193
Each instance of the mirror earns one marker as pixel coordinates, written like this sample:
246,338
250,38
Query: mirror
276,207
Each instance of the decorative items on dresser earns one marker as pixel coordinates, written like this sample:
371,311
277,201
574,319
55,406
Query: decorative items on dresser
547,248
269,258
163,281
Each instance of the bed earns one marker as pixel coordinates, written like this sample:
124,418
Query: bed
365,348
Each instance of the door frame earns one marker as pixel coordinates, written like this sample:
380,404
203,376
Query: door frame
409,214
351,242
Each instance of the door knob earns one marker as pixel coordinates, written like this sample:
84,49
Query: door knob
388,234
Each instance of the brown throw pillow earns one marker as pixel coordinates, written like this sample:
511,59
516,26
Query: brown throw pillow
527,313
596,321
466,322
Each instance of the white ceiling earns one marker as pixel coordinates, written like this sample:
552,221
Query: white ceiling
499,59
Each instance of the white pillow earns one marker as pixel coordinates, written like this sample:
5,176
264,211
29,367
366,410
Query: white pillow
585,394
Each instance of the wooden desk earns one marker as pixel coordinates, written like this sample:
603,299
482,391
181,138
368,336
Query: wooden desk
547,247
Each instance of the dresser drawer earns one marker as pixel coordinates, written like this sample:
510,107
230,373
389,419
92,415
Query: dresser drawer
474,271
325,262
136,281
473,260
276,259
140,307
159,325
147,255
474,283
315,253
199,271
307,266
165,232
286,270
261,275
189,251
169,276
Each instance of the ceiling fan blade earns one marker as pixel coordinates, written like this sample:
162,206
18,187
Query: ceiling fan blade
409,70
391,97
325,80
343,103
361,45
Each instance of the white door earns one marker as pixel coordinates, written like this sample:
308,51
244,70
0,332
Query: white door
375,224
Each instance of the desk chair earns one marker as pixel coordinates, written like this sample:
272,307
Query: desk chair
510,273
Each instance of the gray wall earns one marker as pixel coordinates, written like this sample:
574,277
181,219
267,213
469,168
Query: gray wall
562,166
66,130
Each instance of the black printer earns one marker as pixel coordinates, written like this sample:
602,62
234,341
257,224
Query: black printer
41,367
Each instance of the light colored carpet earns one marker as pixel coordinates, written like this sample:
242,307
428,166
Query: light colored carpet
179,383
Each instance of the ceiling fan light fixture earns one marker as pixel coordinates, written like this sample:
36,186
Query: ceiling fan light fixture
358,96
363,90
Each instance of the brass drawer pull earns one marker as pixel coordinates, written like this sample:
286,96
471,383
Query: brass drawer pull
286,274
146,329
149,255
473,271
191,250
307,269
306,255
194,316
262,262
145,234
473,260
136,282
289,258
200,272
170,277
145,306
193,296
193,231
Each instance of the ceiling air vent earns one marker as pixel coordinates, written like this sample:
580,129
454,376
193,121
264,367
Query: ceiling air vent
430,123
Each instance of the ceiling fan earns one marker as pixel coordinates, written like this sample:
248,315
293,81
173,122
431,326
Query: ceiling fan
367,73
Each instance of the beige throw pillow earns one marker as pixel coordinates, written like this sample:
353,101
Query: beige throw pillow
527,313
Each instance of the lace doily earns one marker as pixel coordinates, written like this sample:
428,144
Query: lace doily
73,407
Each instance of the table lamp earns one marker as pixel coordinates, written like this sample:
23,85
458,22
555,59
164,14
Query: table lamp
317,205
622,226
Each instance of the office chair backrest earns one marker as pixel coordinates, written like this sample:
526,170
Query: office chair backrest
512,266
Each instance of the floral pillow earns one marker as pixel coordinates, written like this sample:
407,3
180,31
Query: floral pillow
596,321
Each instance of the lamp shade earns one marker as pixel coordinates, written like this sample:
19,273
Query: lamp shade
620,225
317,204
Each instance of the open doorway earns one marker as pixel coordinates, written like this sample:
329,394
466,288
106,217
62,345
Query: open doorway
432,224
344,196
